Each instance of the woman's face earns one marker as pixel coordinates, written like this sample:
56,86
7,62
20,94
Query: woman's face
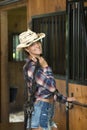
35,49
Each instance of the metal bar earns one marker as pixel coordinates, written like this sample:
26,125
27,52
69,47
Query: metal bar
74,38
49,40
79,104
59,21
72,1
67,61
86,45
63,39
52,40
58,32
84,42
78,42
56,42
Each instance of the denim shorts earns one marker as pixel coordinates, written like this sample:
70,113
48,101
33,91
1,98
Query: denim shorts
42,115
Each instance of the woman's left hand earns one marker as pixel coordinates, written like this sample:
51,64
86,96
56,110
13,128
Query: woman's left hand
71,99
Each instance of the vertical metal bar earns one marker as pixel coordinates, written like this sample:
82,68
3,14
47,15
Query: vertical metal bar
67,60
83,43
56,42
52,40
76,43
78,40
63,41
49,40
75,40
44,25
86,46
55,48
73,37
58,38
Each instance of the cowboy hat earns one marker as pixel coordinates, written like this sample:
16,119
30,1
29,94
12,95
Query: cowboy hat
28,37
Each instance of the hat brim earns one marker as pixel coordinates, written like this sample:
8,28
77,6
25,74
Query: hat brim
21,46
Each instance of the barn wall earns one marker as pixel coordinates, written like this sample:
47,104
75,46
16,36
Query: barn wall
44,6
4,67
78,114
16,23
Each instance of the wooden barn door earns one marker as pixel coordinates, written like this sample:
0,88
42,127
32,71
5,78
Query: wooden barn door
76,72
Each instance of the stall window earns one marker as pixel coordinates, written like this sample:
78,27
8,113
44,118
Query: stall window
55,47
53,25
15,55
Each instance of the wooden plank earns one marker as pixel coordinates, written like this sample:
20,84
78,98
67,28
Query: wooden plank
44,6
4,68
14,5
60,111
78,115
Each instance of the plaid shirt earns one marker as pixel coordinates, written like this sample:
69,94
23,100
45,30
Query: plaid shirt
45,82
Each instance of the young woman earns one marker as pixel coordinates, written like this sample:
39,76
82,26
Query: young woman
45,83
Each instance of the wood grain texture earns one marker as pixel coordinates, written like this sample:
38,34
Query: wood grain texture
38,7
78,115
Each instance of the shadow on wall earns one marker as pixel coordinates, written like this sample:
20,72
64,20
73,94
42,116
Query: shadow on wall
14,100
13,94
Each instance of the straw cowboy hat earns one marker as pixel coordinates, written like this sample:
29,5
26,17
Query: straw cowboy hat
28,37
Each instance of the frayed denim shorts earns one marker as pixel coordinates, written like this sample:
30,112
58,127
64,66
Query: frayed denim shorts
42,116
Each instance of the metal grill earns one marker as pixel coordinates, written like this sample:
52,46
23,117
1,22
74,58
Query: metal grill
60,28
77,38
53,25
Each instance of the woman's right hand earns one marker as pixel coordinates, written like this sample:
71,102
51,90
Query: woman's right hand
42,62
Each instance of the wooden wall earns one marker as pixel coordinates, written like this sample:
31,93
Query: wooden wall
11,73
60,110
4,67
78,114
11,126
17,22
44,6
